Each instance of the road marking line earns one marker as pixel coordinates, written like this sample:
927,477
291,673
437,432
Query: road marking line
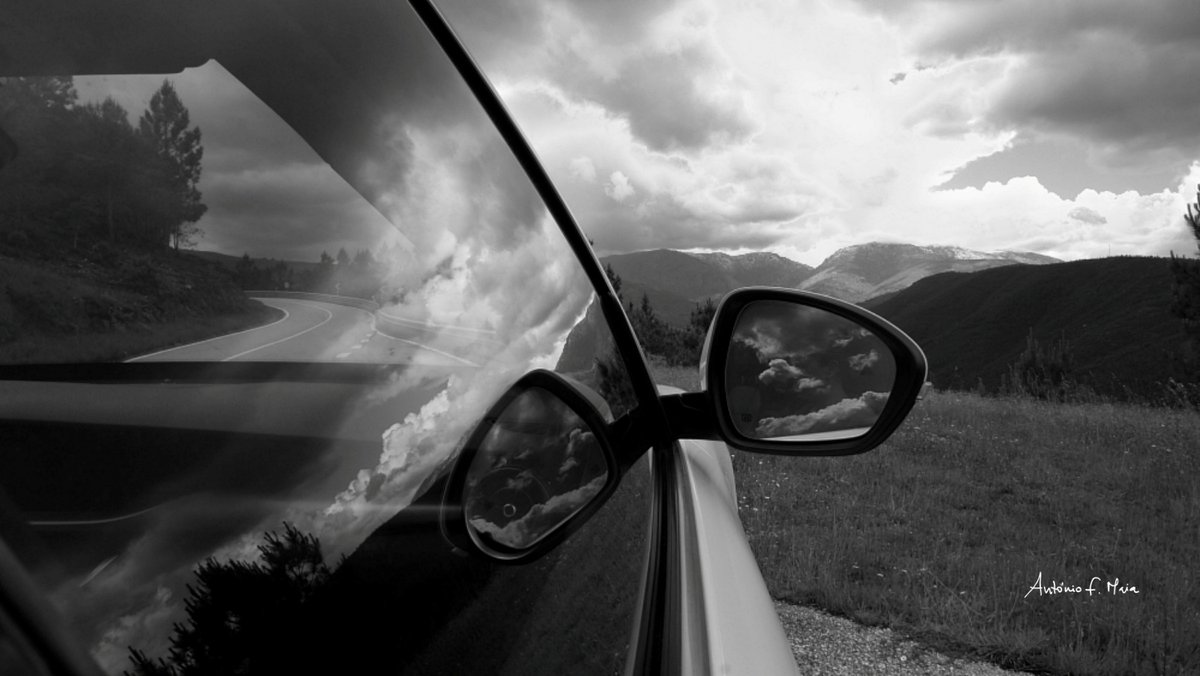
425,324
294,335
209,340
431,349
375,329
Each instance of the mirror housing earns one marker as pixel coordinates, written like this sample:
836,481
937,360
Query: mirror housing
794,373
531,472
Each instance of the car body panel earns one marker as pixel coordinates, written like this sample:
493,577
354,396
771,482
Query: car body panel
734,627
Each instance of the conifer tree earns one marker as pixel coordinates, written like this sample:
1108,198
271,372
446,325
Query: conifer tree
167,126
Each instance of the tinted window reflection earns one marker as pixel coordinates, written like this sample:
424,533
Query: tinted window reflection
802,372
369,237
15,657
537,466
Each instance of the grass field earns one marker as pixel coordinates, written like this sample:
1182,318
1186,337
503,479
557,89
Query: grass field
944,531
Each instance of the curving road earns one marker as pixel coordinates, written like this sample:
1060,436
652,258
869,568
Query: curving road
312,330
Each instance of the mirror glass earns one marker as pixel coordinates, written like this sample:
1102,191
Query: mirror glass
537,466
800,373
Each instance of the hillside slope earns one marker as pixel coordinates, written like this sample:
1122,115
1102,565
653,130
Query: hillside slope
675,281
856,273
673,271
759,268
113,305
1113,311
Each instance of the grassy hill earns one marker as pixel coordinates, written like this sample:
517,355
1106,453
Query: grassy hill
1113,311
672,271
941,532
671,307
104,304
862,271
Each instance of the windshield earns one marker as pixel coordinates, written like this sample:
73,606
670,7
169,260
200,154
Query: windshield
312,264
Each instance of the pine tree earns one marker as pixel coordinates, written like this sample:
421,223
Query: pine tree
37,116
614,279
109,164
242,616
1186,305
1043,373
167,127
1186,289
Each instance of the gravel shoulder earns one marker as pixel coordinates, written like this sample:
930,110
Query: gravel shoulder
826,645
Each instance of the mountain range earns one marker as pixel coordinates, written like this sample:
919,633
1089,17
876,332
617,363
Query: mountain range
857,273
674,281
972,312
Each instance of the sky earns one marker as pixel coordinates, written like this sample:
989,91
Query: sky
1064,128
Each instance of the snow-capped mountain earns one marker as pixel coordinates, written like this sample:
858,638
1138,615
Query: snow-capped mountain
856,273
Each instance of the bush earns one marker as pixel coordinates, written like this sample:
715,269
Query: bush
676,346
1042,373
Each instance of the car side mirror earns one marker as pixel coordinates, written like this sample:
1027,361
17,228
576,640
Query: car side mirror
797,373
533,470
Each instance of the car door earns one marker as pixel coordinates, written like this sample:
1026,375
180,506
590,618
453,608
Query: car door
262,490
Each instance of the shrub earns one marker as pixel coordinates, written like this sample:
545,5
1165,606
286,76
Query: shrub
1042,373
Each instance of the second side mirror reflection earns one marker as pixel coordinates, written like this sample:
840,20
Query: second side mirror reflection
538,465
533,469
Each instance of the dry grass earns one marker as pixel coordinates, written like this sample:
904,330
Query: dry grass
943,530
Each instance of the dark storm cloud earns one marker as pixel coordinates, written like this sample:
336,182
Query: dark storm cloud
663,221
299,85
663,92
492,29
290,212
1116,74
664,99
309,120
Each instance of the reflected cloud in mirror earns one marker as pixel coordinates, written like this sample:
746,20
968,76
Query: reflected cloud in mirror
801,373
538,466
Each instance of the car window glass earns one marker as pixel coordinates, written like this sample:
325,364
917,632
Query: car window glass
314,298
15,657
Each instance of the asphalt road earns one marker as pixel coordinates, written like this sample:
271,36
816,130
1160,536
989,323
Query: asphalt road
317,331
